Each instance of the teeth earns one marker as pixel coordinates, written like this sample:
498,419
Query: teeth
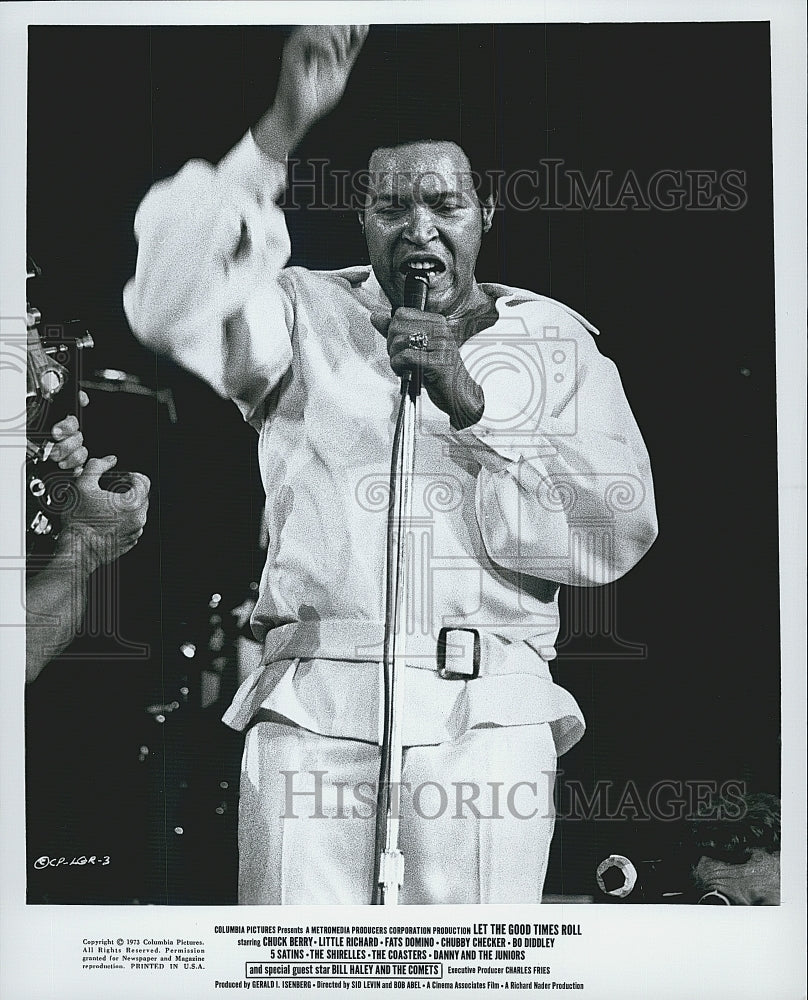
424,266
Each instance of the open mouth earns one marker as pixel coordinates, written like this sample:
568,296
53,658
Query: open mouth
424,265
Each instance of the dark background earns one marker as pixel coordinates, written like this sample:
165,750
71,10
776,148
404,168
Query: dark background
688,688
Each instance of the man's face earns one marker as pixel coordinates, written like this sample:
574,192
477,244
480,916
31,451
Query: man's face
424,215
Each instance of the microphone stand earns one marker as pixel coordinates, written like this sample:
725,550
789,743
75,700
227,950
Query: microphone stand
388,864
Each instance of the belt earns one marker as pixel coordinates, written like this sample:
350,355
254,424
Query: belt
459,653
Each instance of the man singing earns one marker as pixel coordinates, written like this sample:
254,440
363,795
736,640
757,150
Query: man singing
530,472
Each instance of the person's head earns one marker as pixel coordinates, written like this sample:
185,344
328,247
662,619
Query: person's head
738,858
423,212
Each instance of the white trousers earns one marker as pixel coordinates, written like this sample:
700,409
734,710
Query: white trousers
477,817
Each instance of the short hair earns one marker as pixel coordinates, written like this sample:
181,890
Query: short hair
757,827
435,125
483,178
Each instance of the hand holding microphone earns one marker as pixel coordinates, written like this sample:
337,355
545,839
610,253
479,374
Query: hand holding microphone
422,342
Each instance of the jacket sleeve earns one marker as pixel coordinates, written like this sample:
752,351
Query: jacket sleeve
564,491
211,244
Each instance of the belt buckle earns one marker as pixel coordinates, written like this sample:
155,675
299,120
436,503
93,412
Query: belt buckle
453,674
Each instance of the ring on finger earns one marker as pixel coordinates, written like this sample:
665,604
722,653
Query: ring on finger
419,341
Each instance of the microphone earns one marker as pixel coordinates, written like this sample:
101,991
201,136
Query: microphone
416,288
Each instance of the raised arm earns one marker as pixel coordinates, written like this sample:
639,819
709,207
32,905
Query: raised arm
211,240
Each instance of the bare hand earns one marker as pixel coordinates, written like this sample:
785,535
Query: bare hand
445,377
68,450
106,524
317,61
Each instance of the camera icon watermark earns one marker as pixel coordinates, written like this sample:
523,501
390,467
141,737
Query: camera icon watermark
529,383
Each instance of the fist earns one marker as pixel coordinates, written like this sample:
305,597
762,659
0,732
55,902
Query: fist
316,63
445,377
106,524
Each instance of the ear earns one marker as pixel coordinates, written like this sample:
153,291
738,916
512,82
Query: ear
487,206
361,217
